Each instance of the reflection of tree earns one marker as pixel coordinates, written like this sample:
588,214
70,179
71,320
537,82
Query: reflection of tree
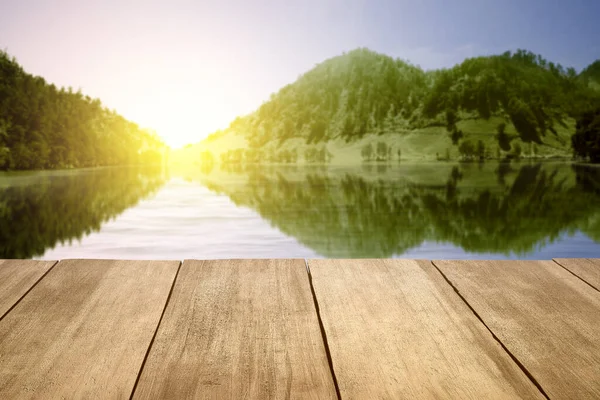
503,169
537,207
588,180
39,211
351,215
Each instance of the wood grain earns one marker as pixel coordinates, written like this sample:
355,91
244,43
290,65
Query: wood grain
546,317
587,269
397,330
83,331
239,329
17,277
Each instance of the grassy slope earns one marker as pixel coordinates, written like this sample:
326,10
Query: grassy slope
416,145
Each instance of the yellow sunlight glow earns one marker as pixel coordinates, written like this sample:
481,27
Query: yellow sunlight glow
179,116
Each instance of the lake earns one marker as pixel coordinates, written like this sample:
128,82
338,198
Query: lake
435,210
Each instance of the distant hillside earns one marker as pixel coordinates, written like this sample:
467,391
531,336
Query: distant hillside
367,106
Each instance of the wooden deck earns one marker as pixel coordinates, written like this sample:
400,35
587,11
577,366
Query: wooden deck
304,329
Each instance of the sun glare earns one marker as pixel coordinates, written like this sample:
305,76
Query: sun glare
177,124
181,114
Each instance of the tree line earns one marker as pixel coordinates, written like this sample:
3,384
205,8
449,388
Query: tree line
46,127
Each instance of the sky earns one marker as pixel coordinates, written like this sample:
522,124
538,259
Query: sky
187,68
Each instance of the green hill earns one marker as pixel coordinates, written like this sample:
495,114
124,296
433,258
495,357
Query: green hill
367,106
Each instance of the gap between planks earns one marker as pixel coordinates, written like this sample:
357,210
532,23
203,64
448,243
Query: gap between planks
576,275
28,290
323,333
137,379
496,338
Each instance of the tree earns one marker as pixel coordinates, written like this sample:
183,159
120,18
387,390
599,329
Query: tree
502,137
466,150
456,135
367,152
450,120
382,151
517,150
206,157
480,150
586,140
524,121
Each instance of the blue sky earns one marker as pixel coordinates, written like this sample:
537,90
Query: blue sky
187,68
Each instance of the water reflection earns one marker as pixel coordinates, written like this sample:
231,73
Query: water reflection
40,210
426,210
384,211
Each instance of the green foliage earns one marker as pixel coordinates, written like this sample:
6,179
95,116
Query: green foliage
456,135
287,156
467,150
344,97
235,156
318,155
531,92
524,121
367,152
44,127
517,151
502,137
382,151
480,150
450,120
586,140
362,92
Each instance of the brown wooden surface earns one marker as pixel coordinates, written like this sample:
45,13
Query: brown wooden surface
397,330
587,269
17,277
239,329
546,317
83,331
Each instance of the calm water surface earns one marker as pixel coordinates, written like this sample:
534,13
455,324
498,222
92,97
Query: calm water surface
435,210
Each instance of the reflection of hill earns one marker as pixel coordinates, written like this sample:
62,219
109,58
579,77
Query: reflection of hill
38,211
361,214
588,180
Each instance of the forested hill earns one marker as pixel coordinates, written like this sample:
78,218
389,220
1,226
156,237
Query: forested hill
508,101
44,127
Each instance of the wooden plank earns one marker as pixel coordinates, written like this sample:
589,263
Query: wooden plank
546,317
84,330
239,329
17,277
397,330
587,269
